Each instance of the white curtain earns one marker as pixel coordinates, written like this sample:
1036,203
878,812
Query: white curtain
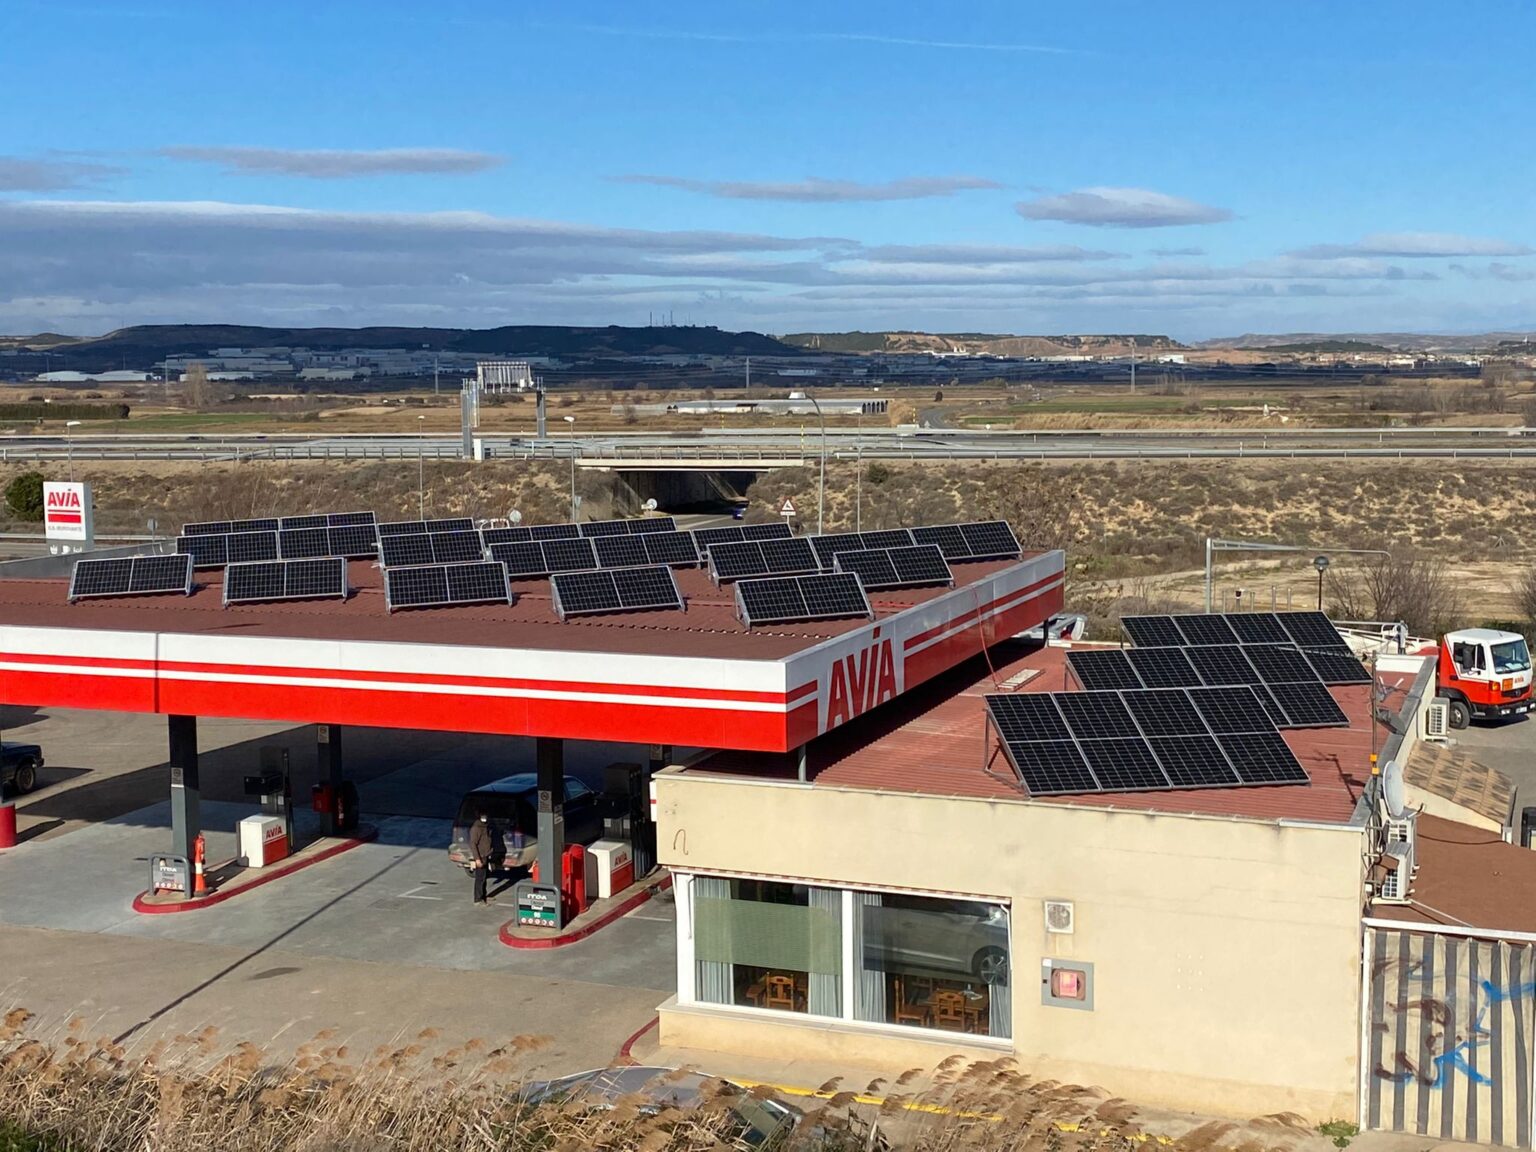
1000,1006
872,993
825,989
714,981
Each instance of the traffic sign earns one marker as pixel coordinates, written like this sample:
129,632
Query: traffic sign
788,508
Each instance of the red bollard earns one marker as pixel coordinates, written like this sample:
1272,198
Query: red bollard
7,825
576,876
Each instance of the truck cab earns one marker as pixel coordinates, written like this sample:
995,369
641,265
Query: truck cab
1484,673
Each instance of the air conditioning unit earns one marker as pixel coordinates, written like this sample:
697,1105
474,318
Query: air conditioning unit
1060,917
1397,885
1404,829
1437,719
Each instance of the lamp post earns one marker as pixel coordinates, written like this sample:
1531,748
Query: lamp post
1321,564
421,472
858,474
69,447
821,491
570,422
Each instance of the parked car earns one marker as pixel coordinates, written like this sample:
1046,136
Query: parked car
18,767
966,937
513,806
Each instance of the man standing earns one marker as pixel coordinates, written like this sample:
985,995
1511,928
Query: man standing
481,844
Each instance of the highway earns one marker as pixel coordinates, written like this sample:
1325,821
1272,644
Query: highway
746,449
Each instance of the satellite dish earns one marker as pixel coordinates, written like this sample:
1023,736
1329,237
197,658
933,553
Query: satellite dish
1392,785
515,516
650,505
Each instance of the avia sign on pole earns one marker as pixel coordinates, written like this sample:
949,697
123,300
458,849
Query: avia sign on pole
67,517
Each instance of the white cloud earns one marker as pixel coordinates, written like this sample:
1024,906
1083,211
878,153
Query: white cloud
819,191
1121,208
340,163
981,254
50,173
1167,252
1413,245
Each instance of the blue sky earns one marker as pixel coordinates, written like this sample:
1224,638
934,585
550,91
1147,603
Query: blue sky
1200,169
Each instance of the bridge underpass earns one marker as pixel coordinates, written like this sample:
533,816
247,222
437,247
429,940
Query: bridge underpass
676,488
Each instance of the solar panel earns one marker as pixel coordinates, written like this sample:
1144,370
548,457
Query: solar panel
1028,716
349,519
441,585
1193,761
521,560
1279,664
1164,712
1096,715
1263,758
285,580
242,547
567,555
887,538
131,576
670,548
451,524
304,543
1103,669
206,528
1152,631
783,599
1223,664
706,537
620,551
402,528
773,530
787,557
1336,667
514,535
630,526
614,590
595,528
642,525
1124,765
554,532
207,551
354,540
288,523
1052,768
1311,630
946,537
874,569
1271,706
1258,628
1309,706
406,551
1163,667
1232,709
736,560
456,546
832,543
1199,629
990,540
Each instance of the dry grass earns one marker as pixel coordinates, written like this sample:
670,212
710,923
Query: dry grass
194,1093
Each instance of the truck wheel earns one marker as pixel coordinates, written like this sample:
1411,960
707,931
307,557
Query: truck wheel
26,776
1460,714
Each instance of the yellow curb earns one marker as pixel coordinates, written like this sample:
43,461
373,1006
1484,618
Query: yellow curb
942,1110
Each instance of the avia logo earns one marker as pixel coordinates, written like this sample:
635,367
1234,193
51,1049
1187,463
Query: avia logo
860,681
67,500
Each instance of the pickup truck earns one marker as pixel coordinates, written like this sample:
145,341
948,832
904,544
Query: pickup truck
18,767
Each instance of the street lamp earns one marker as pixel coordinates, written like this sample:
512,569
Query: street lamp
1321,564
69,447
821,492
421,472
571,427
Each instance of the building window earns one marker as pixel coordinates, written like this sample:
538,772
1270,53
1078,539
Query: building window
932,963
765,944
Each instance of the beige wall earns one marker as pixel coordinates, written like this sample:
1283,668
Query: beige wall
1226,953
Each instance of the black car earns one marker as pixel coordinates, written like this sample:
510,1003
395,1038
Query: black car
18,767
512,803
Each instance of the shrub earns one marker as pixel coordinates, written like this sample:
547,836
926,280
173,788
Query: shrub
24,496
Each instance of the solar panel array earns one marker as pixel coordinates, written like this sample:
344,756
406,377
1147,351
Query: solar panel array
225,527
413,527
1283,678
704,538
614,590
286,580
130,576
632,526
786,599
1141,740
449,547
748,558
827,546
444,585
978,540
913,566
1303,629
536,559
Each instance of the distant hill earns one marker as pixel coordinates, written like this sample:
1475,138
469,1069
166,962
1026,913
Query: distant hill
145,344
1320,346
1392,341
979,343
